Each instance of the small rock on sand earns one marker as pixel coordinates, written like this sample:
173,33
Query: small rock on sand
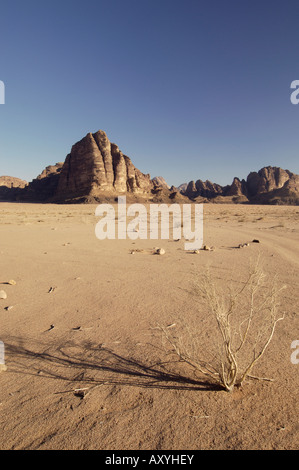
3,294
159,251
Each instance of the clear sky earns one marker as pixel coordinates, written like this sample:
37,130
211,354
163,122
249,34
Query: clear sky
187,89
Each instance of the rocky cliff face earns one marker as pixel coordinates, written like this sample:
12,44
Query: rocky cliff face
203,189
11,187
237,188
96,166
11,182
96,170
44,186
270,185
267,179
159,181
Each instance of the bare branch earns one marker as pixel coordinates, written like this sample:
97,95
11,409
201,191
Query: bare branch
257,300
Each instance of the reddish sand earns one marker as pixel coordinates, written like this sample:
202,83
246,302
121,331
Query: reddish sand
85,314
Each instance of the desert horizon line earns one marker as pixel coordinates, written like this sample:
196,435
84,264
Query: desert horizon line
28,181
96,167
207,180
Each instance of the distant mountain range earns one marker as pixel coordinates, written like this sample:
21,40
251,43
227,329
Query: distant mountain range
270,185
96,171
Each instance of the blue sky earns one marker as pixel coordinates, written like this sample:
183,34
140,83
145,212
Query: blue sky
187,89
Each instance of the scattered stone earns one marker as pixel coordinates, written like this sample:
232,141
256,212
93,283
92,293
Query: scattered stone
51,290
80,328
136,250
12,282
3,294
255,241
80,393
196,252
159,251
8,308
206,248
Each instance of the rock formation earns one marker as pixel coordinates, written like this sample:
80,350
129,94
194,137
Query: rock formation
273,186
11,187
270,185
203,189
11,182
237,188
44,186
268,179
96,167
160,182
96,170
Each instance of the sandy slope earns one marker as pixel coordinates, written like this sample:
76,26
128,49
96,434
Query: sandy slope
104,306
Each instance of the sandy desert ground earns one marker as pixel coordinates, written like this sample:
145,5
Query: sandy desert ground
84,316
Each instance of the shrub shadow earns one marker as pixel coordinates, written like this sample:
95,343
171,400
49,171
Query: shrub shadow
98,365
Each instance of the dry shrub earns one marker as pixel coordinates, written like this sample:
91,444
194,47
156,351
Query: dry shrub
245,321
